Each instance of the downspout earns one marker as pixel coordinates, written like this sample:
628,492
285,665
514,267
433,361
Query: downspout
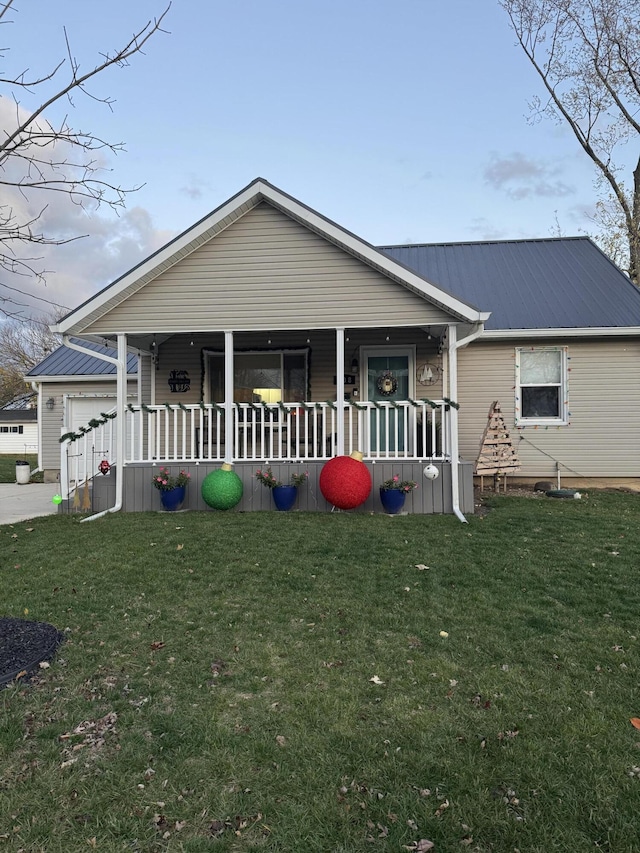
121,390
453,346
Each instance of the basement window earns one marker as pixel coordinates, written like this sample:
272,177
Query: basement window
541,386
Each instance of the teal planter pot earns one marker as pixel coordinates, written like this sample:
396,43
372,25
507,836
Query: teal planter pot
284,497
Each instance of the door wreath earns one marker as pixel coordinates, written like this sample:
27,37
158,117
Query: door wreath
386,383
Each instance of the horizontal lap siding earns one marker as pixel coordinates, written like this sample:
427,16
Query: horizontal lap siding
267,271
601,439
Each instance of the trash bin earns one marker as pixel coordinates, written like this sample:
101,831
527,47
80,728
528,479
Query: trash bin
23,472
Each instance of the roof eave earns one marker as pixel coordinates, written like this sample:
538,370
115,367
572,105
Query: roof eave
576,332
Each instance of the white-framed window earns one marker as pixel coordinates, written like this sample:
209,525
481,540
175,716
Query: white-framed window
541,385
259,376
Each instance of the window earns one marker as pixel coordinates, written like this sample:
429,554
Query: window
541,385
274,376
17,429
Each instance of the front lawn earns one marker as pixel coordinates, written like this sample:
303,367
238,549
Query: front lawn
328,682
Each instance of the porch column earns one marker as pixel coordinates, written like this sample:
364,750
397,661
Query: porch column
228,397
340,391
121,402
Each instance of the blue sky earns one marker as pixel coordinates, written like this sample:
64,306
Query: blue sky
403,121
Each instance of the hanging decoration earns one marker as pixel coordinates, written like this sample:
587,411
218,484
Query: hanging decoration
345,481
104,467
387,383
222,488
428,374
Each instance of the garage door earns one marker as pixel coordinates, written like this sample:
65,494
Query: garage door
80,410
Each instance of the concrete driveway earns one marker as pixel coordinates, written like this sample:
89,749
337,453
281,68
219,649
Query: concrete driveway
19,503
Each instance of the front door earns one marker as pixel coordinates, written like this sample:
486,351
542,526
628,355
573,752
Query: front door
389,378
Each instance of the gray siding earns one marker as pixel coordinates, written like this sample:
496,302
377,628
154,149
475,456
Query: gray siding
431,497
601,439
266,271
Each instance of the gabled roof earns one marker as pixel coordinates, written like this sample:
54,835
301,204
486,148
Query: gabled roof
555,283
248,198
68,362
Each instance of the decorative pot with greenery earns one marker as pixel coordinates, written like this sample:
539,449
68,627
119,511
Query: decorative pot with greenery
172,488
393,493
284,494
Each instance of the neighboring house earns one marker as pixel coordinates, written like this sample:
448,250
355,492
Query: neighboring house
267,333
18,431
73,388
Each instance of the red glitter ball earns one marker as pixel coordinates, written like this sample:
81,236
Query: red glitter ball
345,482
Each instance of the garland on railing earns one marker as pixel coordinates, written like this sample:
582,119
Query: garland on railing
284,407
94,423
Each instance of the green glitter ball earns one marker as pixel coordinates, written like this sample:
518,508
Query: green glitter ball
222,489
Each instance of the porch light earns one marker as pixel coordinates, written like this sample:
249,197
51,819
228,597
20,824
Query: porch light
50,404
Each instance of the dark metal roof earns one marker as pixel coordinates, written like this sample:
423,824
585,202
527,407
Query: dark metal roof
69,362
18,415
565,282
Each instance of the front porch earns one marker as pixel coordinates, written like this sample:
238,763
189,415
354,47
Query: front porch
396,437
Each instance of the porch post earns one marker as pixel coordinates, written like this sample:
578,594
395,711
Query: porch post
121,401
340,391
228,397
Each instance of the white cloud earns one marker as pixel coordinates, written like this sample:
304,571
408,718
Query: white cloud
76,270
522,177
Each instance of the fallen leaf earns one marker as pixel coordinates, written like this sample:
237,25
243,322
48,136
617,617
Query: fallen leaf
157,644
280,740
180,547
635,722
441,808
421,567
376,680
44,664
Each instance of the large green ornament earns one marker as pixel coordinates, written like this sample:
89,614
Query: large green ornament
222,489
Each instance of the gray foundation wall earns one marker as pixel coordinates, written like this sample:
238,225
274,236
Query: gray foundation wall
431,496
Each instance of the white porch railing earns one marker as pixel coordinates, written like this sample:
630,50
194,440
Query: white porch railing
401,430
79,459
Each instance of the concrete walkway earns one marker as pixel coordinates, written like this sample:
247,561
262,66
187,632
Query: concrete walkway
19,503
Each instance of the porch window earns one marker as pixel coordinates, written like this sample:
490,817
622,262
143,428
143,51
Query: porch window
273,376
541,385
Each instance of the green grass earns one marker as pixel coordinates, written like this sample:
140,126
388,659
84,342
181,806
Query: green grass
257,726
8,466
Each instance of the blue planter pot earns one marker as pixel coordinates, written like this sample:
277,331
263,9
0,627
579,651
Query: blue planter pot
172,499
284,497
392,500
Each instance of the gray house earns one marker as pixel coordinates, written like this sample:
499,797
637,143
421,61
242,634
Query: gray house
267,333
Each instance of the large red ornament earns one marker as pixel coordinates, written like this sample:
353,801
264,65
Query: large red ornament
345,481
104,467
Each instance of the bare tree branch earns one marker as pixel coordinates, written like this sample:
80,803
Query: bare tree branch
37,156
587,55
